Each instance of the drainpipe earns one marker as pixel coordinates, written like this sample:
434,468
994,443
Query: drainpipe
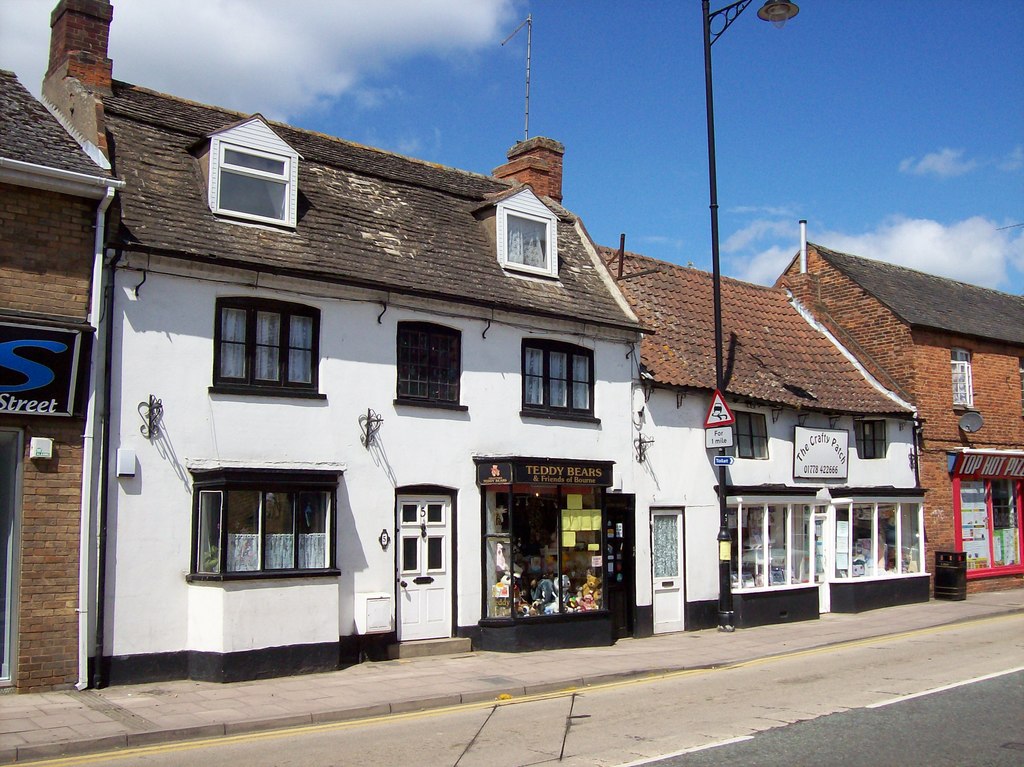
99,676
803,246
97,383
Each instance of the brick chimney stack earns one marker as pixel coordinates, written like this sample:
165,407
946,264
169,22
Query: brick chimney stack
80,72
80,30
537,162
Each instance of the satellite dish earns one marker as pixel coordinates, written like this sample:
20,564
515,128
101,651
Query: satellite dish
971,422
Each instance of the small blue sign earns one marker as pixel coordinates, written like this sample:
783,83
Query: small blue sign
724,460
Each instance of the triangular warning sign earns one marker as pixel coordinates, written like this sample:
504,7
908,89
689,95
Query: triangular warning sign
719,413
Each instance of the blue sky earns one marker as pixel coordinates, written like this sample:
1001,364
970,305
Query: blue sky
896,129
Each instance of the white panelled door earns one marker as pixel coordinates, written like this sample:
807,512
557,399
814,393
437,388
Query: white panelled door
424,568
667,570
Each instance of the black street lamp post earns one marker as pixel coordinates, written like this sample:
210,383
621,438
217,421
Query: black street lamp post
778,13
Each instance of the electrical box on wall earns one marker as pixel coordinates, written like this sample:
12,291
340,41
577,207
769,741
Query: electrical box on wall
373,613
40,448
125,462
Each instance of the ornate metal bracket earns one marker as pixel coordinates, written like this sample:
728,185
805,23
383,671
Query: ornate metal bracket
152,413
641,444
729,13
370,424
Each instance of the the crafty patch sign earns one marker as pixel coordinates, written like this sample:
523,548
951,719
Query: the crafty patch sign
39,369
820,453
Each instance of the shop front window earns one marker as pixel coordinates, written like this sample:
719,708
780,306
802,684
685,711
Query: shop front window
543,551
990,529
771,545
878,539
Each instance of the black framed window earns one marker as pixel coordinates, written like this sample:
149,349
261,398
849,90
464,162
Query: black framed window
751,435
558,378
252,523
870,437
429,363
270,346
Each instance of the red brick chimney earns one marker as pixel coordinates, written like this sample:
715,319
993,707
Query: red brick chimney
537,162
80,30
79,72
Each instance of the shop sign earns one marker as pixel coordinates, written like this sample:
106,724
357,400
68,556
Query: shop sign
543,471
494,474
981,465
820,453
562,473
39,369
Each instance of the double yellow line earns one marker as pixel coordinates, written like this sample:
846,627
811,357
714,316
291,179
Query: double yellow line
287,732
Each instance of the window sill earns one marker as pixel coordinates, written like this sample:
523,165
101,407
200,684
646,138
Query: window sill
266,391
257,575
431,404
559,416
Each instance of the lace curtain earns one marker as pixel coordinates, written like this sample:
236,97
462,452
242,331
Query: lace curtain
526,242
243,551
232,346
300,349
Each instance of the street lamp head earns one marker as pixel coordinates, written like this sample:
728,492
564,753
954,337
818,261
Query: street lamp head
778,12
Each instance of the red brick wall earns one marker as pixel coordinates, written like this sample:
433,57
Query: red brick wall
865,326
918,361
46,244
47,647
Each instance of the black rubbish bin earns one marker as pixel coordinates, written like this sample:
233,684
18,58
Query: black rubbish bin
950,575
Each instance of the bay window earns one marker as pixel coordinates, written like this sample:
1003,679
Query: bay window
252,523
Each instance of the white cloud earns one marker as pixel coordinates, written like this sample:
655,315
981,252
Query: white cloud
945,163
974,250
279,58
758,230
1014,160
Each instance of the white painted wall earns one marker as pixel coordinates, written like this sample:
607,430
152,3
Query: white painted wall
164,347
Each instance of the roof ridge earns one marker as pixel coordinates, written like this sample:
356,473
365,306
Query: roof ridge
305,131
900,267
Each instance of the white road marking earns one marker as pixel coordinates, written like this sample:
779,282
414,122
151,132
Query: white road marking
953,686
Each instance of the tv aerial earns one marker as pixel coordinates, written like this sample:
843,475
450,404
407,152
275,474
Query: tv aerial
528,23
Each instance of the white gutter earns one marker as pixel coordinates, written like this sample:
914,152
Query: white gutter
71,182
91,466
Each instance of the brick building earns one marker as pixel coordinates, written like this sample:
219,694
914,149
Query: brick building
957,352
52,196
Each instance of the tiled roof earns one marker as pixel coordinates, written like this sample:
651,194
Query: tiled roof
771,354
29,133
935,302
366,217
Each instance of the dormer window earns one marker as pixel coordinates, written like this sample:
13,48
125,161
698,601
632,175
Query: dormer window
526,234
253,174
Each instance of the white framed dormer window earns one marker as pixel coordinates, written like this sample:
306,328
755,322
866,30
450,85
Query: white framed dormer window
963,385
253,174
527,235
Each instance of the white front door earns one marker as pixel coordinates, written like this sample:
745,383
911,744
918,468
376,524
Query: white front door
424,568
667,572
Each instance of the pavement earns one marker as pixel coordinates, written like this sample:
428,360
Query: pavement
64,723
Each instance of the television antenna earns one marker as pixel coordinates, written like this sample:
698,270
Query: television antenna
528,23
